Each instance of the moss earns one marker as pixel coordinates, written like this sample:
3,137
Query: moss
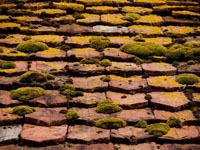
67,86
139,38
78,15
196,112
35,77
26,38
141,124
158,129
69,91
7,64
1,50
173,122
22,110
131,17
187,78
110,123
33,26
107,107
105,78
144,49
148,97
99,43
27,93
191,62
71,116
31,46
89,61
105,62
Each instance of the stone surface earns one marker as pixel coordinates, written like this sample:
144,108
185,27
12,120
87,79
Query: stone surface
38,135
87,100
85,69
10,133
39,30
143,146
78,41
6,100
158,69
113,19
172,101
185,68
87,134
196,97
128,101
130,134
45,117
51,40
180,146
89,19
56,67
133,83
108,146
81,53
124,68
117,55
110,29
119,40
135,115
74,29
51,98
90,84
6,117
167,83
181,134
12,39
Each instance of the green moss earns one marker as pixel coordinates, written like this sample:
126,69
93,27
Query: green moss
107,107
26,38
105,78
139,38
105,62
173,122
7,64
191,62
187,78
144,49
67,86
196,112
141,124
69,91
89,61
35,77
1,50
27,93
131,17
99,43
71,116
22,110
158,129
33,26
110,123
31,46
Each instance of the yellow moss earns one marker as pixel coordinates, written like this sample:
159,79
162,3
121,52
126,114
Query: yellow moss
12,118
8,5
140,29
163,80
112,2
67,17
73,6
51,52
120,39
9,25
178,30
114,19
139,10
90,2
79,52
102,9
150,19
168,8
52,65
185,13
89,18
27,19
160,40
7,52
37,5
185,116
56,39
196,97
151,2
174,95
49,11
3,17
82,40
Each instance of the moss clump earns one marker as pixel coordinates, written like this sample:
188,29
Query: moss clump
144,49
26,38
141,124
148,97
22,110
89,61
31,46
7,64
187,78
35,77
187,51
196,112
27,93
139,38
158,129
1,50
69,91
105,63
106,78
107,107
191,62
131,17
173,122
110,123
71,116
99,43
